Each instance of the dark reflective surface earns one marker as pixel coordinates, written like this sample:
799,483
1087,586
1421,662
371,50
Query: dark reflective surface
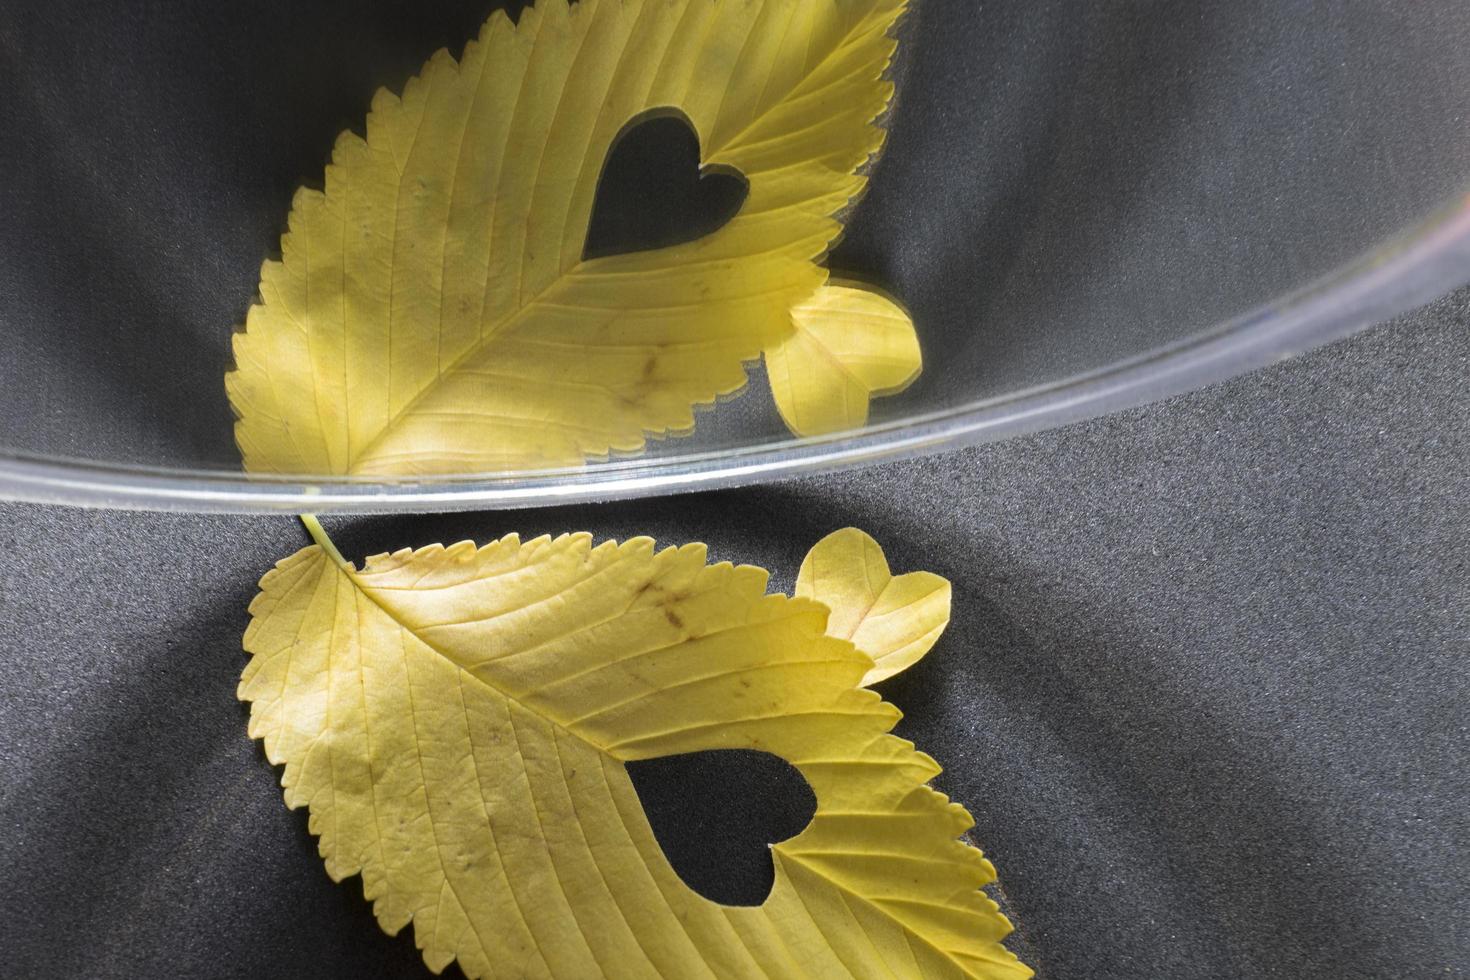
1066,185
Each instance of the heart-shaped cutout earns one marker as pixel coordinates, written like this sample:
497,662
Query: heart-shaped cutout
653,193
716,814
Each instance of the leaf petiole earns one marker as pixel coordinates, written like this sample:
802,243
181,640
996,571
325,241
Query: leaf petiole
319,535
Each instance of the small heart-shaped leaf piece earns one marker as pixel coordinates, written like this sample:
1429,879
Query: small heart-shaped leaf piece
654,194
893,620
851,344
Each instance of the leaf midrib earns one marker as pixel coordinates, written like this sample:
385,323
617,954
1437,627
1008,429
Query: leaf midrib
504,323
346,569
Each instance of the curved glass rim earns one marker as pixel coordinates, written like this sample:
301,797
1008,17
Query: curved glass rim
1404,272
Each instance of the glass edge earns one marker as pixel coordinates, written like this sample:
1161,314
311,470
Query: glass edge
1405,272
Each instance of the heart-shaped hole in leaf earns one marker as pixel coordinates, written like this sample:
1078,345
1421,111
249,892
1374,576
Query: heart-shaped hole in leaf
716,813
653,193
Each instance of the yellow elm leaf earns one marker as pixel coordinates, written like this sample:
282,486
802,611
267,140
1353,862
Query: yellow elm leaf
895,621
432,311
458,720
850,344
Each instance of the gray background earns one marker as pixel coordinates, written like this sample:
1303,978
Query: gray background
1204,689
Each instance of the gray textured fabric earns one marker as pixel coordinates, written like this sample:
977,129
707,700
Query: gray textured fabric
1205,689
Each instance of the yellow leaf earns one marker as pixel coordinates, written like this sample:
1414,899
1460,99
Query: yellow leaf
458,721
850,345
895,621
432,311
